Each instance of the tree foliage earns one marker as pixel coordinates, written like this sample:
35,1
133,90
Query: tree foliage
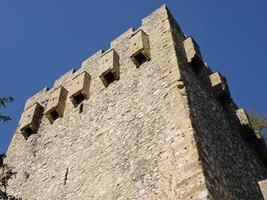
258,121
3,102
6,173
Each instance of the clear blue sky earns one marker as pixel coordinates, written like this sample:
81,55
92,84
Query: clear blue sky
40,40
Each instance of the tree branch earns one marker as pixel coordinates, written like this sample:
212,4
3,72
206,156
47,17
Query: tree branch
5,100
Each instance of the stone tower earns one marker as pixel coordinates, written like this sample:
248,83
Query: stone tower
146,119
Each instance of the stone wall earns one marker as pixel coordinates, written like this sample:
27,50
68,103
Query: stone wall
231,165
131,141
156,133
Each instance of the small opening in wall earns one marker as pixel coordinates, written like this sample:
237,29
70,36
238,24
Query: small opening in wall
54,115
140,58
109,77
78,99
81,108
27,132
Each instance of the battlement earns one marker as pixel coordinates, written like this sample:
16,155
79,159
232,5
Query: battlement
104,65
145,119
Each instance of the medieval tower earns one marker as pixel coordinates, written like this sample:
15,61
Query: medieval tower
145,119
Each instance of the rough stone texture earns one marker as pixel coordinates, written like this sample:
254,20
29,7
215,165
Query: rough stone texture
56,103
243,117
219,86
191,49
139,47
80,88
109,67
263,186
41,97
231,166
64,78
31,120
156,133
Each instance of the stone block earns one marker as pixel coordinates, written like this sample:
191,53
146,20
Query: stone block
41,97
30,120
219,86
56,104
263,188
244,122
246,129
193,53
80,88
109,67
139,47
191,49
243,117
253,137
61,80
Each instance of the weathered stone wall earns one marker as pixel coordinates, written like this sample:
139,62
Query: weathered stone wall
232,167
133,139
156,133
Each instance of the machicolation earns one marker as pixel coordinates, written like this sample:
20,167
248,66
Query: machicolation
146,119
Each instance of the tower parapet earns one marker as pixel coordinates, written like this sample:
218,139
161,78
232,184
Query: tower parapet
109,67
56,104
137,121
30,120
80,88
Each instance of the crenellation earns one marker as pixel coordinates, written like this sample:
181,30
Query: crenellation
227,160
109,69
243,118
192,49
64,78
41,97
219,86
31,119
91,63
157,132
245,125
56,104
139,47
121,46
155,19
80,88
254,138
122,38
